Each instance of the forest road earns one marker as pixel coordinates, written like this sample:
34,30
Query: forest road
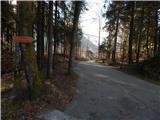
107,94
104,93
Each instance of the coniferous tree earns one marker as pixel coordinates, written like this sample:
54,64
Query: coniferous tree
50,34
40,33
74,31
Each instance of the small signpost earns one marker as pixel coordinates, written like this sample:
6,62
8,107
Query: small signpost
22,39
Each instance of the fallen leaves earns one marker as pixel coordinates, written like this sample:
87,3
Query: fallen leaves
55,94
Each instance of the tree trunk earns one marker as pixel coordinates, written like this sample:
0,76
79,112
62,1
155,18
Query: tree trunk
7,34
65,41
25,22
11,43
156,28
40,34
159,41
124,48
55,36
39,27
140,34
147,39
74,31
131,34
115,40
50,32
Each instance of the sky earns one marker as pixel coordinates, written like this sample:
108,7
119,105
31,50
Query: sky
89,21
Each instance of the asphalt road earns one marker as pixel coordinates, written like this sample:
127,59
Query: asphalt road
107,94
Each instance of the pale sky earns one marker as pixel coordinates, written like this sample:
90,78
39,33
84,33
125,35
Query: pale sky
90,20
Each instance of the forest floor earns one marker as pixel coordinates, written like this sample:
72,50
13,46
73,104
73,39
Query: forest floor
56,93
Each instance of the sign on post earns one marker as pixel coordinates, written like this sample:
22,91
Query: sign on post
22,39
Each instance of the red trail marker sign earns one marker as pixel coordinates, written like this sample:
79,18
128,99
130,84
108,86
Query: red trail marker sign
22,39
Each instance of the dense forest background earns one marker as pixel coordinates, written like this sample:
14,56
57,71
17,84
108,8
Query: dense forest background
133,29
